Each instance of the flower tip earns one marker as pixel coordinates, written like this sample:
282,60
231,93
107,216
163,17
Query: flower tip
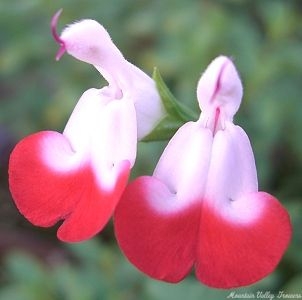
222,60
220,85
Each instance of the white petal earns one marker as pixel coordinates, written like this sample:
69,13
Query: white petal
184,165
81,123
220,86
142,90
115,135
103,132
232,174
78,130
87,40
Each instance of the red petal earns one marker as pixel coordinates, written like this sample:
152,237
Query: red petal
45,195
160,243
236,254
94,209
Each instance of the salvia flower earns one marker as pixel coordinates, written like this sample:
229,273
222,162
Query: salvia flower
201,208
78,176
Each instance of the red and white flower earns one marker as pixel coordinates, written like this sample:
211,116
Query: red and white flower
201,208
78,176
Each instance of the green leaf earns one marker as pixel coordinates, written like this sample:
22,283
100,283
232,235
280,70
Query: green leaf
177,113
164,130
172,106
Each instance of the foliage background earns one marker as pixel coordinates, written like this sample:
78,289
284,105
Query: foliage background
180,37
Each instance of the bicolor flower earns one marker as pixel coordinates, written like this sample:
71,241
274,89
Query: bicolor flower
201,208
78,176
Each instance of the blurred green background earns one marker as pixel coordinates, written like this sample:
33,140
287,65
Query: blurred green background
180,37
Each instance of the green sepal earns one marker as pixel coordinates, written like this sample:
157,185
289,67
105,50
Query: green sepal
176,113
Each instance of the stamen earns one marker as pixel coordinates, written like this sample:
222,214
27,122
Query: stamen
53,25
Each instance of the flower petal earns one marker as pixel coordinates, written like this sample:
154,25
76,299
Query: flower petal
104,131
238,240
232,172
95,207
45,195
88,41
158,243
184,164
79,175
157,219
147,102
36,189
220,86
232,254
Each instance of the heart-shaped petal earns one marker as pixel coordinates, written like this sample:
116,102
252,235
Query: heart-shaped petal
45,195
232,254
161,244
79,175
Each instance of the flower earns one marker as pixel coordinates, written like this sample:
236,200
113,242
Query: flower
202,208
78,176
